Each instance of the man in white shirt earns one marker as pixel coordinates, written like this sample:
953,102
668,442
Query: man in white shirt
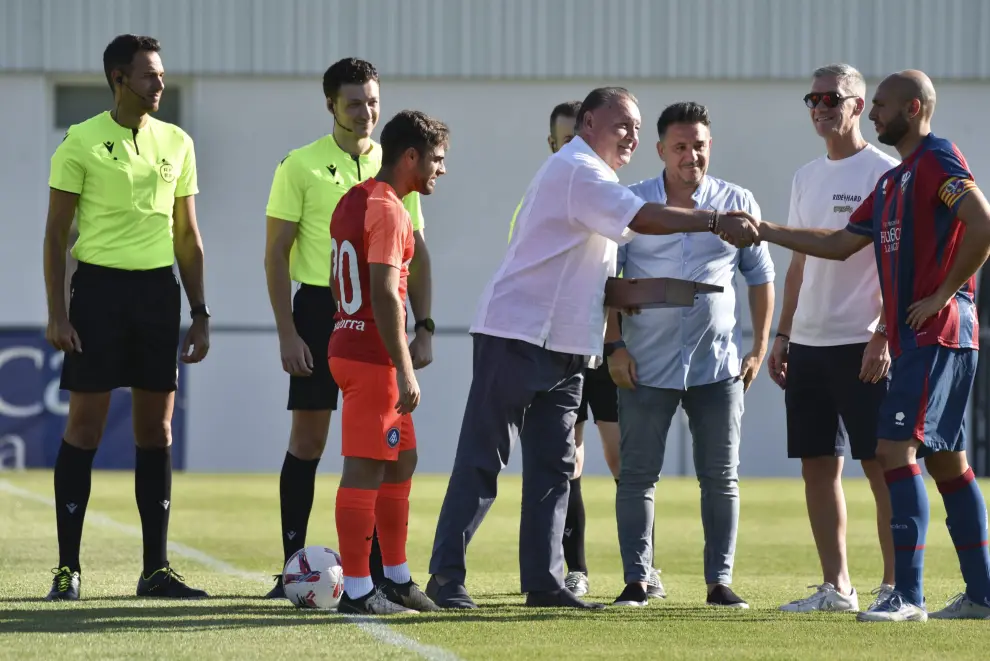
540,323
600,398
830,355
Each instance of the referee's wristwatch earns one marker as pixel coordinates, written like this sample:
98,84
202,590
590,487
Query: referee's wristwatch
610,347
427,324
200,310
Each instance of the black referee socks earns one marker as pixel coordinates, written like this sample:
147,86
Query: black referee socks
296,488
574,530
73,477
153,489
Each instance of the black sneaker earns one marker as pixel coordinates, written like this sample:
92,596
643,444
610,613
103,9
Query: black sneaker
65,585
634,595
373,603
167,584
277,592
408,595
722,596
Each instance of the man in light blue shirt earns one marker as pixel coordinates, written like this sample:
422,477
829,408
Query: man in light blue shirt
691,357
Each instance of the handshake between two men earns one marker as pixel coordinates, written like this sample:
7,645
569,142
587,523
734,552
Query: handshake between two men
738,228
742,230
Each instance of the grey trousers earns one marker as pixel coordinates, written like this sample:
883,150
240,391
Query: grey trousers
715,416
518,391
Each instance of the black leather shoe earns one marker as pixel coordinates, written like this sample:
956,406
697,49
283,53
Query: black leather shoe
559,599
449,595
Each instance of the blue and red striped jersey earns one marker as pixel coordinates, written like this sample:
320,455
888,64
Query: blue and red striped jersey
912,217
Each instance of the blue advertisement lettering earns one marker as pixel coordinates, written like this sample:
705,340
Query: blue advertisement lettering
33,409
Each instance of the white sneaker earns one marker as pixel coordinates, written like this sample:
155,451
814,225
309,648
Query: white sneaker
881,593
961,607
577,583
654,588
893,609
825,598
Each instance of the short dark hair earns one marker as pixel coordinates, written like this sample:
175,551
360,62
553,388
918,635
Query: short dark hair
565,109
599,97
348,71
411,128
119,53
683,112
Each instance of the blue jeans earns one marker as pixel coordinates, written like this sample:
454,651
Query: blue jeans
715,415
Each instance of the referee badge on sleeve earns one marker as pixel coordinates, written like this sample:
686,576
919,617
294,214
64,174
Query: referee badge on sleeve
392,437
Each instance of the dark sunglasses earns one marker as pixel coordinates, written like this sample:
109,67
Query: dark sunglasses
831,99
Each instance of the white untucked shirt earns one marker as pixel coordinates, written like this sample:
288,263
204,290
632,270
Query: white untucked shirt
550,288
839,302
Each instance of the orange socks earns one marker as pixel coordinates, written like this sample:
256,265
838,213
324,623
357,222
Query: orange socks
355,514
392,517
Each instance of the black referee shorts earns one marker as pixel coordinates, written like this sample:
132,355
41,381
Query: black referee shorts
128,324
822,389
313,309
600,395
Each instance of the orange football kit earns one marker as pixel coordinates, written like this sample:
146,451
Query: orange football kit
369,226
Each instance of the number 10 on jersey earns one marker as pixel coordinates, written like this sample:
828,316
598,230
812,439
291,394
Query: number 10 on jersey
346,252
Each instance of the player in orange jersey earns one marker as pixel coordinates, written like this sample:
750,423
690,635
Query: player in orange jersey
372,244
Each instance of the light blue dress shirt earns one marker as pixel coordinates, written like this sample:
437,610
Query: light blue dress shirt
681,348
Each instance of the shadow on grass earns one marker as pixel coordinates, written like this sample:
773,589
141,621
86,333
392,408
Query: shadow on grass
206,616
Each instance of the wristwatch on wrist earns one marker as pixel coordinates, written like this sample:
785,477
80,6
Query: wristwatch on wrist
610,347
200,310
427,324
881,329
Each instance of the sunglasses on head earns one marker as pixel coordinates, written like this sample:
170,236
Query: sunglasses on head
831,99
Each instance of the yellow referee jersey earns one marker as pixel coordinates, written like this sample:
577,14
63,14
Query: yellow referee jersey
307,186
127,181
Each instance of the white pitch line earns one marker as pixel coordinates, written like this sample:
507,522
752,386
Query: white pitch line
377,630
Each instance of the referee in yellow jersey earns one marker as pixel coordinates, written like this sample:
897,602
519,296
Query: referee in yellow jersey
305,190
130,180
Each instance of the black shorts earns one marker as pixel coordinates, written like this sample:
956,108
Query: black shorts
822,388
600,394
313,309
128,324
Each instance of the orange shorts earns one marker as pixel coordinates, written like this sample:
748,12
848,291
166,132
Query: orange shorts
371,428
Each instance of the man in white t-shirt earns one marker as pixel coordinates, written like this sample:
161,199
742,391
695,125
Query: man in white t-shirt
540,323
830,354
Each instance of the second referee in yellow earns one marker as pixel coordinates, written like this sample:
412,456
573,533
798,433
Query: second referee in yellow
305,190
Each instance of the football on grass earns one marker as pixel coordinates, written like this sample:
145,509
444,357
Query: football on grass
313,578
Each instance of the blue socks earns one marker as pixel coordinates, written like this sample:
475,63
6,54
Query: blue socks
966,519
909,524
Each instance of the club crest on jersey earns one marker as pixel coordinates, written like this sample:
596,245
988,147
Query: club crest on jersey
392,437
167,171
905,178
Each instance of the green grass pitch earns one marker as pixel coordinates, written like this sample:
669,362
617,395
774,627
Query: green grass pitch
226,537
